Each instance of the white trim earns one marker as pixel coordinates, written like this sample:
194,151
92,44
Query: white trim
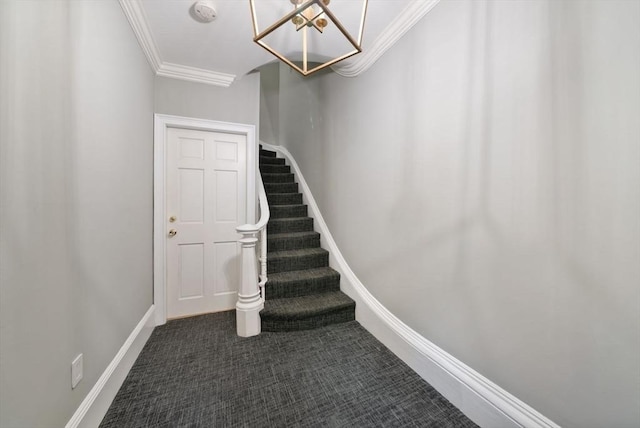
192,74
138,20
134,12
480,399
409,17
97,402
161,123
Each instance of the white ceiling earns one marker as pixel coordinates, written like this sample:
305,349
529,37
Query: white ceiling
178,45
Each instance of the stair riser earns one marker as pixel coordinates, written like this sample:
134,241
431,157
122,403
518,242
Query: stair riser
297,243
281,211
267,153
290,225
343,315
286,290
285,199
275,169
287,264
281,188
271,161
278,178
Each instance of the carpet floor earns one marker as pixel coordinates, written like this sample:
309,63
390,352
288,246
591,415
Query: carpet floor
196,372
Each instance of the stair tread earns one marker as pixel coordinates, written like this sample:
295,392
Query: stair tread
284,241
276,174
268,153
286,219
304,274
285,206
292,234
295,253
306,306
281,169
290,224
284,198
289,211
281,188
305,282
267,160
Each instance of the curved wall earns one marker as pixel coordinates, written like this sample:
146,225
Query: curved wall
481,179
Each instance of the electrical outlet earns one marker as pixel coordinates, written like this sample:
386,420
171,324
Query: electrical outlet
76,371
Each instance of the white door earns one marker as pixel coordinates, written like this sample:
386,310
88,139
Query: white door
206,197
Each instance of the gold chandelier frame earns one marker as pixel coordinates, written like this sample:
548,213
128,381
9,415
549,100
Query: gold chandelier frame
307,22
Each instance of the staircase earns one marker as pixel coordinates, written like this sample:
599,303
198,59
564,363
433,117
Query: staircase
302,291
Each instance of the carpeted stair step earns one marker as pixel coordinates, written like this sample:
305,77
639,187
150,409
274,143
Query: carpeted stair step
268,160
302,291
284,211
274,169
302,283
307,312
292,241
306,258
288,225
267,153
284,199
278,178
281,188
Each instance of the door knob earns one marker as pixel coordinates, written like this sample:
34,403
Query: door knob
173,232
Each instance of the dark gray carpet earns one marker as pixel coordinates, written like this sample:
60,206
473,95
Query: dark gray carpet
303,291
197,372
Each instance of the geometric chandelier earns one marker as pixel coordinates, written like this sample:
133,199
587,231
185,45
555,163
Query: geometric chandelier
309,36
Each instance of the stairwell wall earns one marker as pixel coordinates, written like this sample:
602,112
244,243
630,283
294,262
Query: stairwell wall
239,103
481,179
76,158
269,102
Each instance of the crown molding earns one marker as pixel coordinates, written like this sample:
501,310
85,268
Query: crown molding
394,32
192,74
137,19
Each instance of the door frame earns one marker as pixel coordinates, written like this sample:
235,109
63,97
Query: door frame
162,122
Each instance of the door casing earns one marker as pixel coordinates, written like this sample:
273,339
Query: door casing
162,123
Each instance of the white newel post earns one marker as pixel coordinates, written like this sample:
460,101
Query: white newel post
249,302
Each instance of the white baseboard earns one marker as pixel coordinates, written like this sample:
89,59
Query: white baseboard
481,400
97,402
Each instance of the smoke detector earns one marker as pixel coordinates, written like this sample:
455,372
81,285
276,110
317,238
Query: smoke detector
204,11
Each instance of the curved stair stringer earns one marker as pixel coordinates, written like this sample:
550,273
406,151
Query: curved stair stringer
484,402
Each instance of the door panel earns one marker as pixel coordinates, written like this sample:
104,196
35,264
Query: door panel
206,192
191,271
191,194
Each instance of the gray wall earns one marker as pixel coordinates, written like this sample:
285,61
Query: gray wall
482,180
76,158
269,102
239,103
